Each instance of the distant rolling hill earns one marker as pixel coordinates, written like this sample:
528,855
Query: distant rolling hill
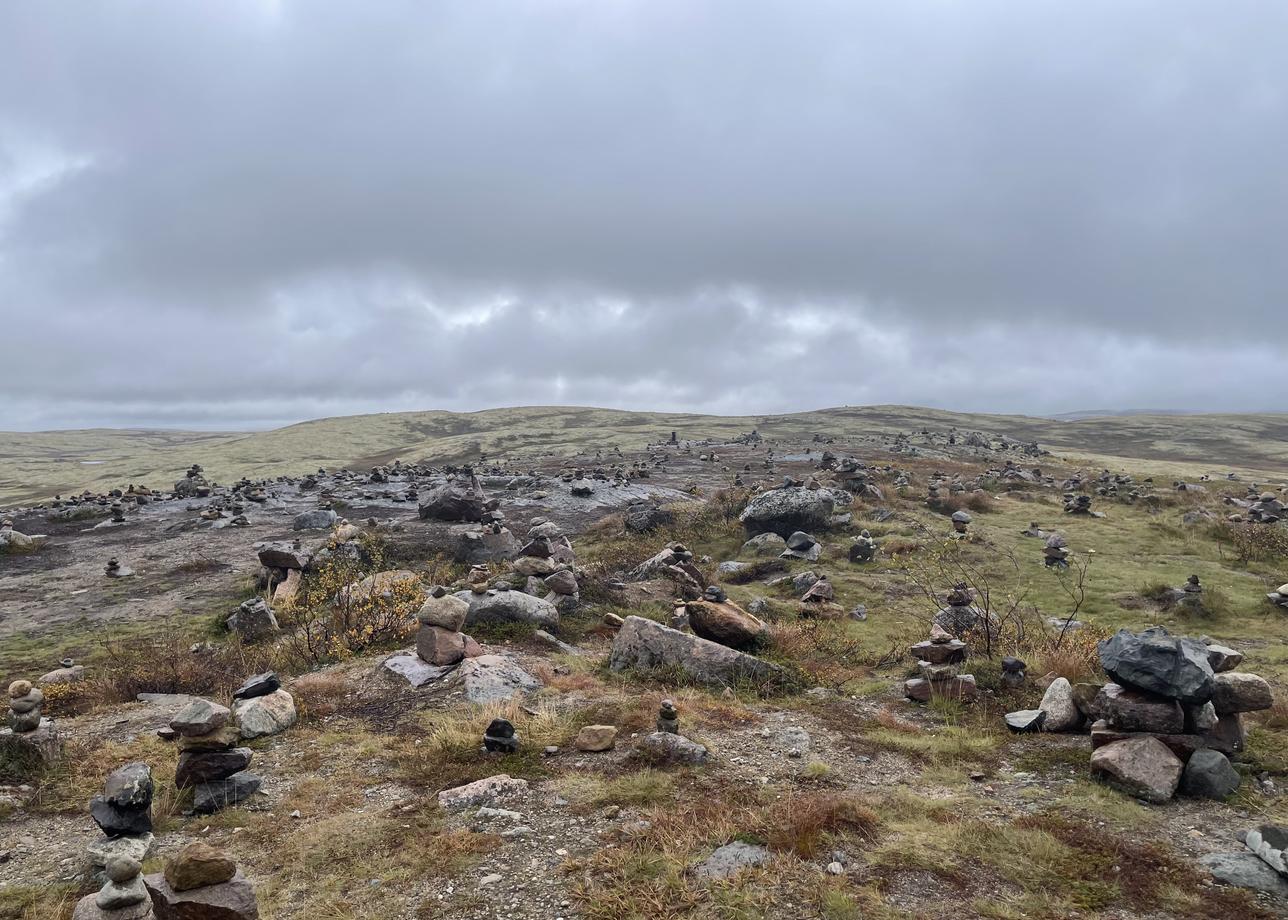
37,465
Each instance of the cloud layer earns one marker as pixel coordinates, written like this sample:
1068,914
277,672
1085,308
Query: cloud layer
247,213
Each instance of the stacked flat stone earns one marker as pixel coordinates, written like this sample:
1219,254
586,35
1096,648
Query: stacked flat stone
210,763
24,707
439,641
961,521
1055,553
939,660
1171,718
1267,509
28,730
201,881
1279,596
123,897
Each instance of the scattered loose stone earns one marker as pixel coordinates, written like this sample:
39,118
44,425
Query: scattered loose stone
596,738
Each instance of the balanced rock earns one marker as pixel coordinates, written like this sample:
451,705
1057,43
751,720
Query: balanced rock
727,623
265,715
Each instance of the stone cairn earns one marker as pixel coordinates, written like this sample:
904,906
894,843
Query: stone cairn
124,813
1014,673
500,737
201,881
961,522
1171,718
123,897
1055,552
27,727
939,660
960,615
668,718
1279,596
1078,504
439,641
114,569
864,548
210,763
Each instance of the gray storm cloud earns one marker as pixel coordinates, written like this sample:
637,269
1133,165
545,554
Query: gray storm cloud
245,213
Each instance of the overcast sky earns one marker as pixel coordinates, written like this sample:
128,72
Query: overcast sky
236,214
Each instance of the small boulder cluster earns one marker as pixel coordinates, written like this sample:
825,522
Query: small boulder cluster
1172,716
939,661
201,881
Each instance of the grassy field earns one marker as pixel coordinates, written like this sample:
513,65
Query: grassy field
37,465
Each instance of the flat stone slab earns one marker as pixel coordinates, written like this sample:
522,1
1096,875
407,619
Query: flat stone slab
415,670
1245,870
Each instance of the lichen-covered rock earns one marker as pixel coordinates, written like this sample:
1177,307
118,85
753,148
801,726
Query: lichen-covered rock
645,644
787,510
493,607
265,715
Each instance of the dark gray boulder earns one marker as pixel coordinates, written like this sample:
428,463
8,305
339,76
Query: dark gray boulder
1156,662
1209,775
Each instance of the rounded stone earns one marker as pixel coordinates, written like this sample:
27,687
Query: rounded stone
122,868
19,688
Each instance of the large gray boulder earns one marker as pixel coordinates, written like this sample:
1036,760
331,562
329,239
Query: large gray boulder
455,501
493,678
509,607
1244,870
785,511
645,644
1172,666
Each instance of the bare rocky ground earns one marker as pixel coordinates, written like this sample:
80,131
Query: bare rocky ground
870,805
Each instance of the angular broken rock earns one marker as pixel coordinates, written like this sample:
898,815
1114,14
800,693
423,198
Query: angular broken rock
1025,720
1141,766
1131,710
438,646
200,717
230,900
210,797
646,644
1270,843
1159,663
415,670
480,792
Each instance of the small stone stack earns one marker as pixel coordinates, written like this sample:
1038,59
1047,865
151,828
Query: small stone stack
961,521
202,882
1279,596
114,569
500,737
668,718
439,641
801,545
960,615
24,707
123,897
1055,553
210,763
1172,716
1077,504
27,728
1267,509
864,548
939,659
124,813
